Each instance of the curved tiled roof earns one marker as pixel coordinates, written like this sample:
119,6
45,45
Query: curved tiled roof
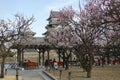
34,41
53,14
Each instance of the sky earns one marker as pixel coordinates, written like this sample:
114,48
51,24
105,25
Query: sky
40,9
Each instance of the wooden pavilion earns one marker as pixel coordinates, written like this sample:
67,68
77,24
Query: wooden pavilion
31,42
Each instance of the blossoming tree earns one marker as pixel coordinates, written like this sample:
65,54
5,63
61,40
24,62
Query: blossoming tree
94,24
64,39
11,33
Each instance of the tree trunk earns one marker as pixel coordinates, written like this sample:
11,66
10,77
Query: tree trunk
63,60
103,61
89,68
2,67
66,64
108,59
87,63
89,74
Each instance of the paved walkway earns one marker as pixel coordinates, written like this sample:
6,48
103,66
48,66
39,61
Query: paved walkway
33,74
30,74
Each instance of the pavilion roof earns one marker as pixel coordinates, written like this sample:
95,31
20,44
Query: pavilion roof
34,41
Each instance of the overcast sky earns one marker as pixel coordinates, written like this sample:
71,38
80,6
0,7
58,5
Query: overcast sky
39,8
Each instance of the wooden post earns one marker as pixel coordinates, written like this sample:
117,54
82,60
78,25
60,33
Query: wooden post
69,76
60,74
5,71
17,73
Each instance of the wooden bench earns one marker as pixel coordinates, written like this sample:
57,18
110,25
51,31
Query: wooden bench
31,64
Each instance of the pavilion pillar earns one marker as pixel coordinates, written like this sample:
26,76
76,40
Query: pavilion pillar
22,56
70,59
70,55
59,55
43,57
48,55
39,60
63,60
19,57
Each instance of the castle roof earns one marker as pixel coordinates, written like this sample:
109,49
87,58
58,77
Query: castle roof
53,14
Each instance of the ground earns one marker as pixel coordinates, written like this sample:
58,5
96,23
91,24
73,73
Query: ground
10,78
98,73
